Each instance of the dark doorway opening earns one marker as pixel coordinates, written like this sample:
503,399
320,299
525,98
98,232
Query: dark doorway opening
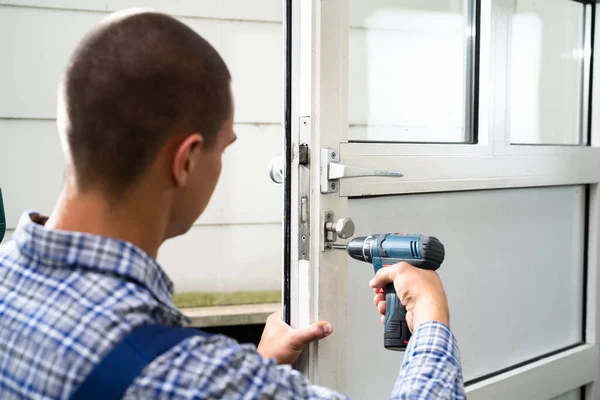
241,333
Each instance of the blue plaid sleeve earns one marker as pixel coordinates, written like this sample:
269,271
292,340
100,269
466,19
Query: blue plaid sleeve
431,368
220,368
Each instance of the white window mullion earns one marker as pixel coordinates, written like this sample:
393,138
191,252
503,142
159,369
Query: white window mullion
434,173
500,59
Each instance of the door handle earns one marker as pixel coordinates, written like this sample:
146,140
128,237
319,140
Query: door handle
341,171
276,169
332,171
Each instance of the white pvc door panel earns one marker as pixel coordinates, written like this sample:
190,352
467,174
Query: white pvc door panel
572,395
513,273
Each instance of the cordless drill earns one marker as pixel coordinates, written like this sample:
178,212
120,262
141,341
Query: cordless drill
383,249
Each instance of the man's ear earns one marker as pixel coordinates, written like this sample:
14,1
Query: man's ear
183,162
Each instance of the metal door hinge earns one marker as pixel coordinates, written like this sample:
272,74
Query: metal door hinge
332,171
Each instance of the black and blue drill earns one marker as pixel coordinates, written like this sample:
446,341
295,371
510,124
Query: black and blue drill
384,249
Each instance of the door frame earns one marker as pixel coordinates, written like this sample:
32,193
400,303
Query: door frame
310,287
317,284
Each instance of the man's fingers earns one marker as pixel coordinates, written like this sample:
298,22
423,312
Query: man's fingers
386,275
316,331
381,307
378,298
382,277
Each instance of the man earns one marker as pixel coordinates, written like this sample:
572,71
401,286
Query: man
145,113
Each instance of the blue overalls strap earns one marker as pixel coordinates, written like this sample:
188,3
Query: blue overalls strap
116,371
2,218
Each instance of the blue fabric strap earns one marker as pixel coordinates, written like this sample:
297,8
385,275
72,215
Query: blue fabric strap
2,218
113,375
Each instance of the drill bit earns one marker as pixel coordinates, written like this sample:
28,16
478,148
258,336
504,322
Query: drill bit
339,246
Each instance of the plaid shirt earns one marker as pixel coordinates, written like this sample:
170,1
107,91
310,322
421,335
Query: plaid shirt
67,298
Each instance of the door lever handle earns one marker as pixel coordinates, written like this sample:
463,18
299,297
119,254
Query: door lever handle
341,171
332,171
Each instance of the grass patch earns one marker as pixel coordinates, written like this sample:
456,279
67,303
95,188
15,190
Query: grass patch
203,299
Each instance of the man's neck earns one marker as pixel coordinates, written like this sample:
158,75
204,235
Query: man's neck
132,220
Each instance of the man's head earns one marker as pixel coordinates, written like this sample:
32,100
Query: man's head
146,99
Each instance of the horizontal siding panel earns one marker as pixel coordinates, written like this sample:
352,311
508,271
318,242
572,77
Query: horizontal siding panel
254,55
92,5
31,168
217,259
225,258
36,44
255,10
245,192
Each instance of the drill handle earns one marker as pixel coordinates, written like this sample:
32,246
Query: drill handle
396,333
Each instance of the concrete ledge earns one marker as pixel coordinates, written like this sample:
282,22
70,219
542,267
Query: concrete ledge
206,299
243,314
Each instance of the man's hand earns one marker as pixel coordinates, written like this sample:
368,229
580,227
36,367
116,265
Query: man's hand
283,343
419,290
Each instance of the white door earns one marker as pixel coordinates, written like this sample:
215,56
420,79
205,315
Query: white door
485,107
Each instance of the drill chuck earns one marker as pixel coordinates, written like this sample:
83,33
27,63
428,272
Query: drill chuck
360,248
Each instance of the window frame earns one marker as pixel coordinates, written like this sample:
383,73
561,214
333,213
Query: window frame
586,78
471,89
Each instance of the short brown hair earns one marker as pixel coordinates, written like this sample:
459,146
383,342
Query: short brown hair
130,84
